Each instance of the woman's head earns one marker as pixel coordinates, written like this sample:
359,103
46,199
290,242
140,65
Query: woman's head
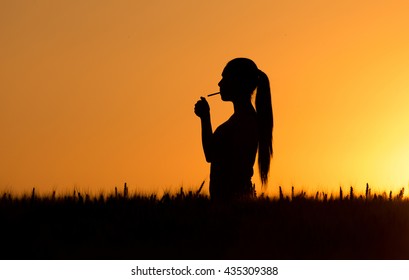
239,79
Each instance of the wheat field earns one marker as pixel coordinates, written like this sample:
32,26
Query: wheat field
188,225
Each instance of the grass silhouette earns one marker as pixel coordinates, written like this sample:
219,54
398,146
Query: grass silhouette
188,225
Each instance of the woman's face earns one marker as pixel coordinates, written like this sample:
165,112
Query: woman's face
229,86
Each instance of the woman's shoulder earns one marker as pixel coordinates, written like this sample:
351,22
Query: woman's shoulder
246,120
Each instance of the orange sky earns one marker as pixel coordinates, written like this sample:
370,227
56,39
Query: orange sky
95,93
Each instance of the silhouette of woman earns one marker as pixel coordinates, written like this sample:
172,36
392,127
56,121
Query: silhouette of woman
232,147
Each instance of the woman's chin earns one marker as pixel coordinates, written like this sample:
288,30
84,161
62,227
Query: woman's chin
225,98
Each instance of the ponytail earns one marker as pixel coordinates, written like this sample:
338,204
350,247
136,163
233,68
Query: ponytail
265,126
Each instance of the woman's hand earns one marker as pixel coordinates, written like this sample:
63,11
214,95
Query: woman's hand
202,108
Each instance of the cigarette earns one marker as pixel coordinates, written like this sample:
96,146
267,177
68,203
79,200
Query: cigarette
213,94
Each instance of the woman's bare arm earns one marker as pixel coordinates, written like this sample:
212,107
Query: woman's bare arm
202,110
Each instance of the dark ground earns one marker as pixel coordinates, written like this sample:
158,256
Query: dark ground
192,227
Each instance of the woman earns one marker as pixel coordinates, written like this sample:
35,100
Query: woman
231,148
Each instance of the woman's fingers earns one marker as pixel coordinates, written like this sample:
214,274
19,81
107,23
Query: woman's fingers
202,107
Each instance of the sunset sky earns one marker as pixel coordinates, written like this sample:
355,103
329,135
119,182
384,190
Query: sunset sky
96,93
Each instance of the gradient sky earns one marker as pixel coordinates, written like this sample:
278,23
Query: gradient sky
96,93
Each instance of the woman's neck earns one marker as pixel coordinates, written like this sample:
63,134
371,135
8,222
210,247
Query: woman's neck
243,107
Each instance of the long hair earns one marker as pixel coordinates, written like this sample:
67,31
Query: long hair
265,126
252,78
